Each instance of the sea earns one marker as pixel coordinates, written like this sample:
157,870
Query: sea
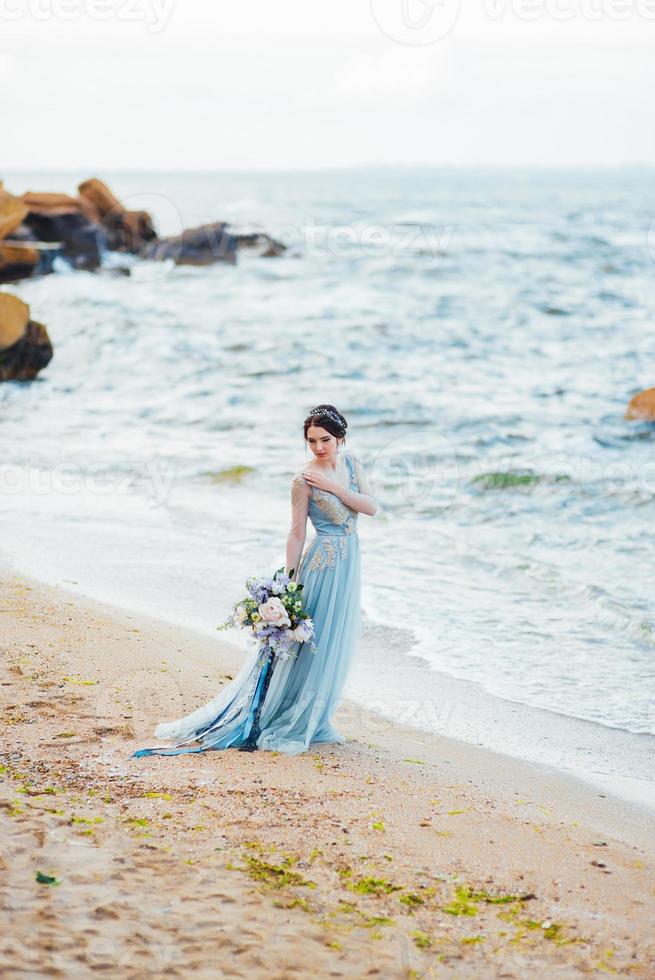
481,330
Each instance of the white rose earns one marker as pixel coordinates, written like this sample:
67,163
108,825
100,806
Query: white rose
272,611
301,632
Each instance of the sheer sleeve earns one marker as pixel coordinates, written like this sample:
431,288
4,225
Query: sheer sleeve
366,501
298,530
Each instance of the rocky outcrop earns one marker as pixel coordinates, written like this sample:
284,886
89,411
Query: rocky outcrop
127,231
25,347
82,227
40,225
642,406
204,245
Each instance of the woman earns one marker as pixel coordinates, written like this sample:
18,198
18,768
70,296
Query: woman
290,705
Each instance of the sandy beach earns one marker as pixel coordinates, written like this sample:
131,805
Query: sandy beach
397,854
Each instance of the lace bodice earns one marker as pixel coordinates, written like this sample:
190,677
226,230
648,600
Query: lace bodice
328,514
334,522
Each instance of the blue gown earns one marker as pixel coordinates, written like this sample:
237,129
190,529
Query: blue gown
295,707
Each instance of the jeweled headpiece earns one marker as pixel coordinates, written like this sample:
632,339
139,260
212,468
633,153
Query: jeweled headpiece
327,413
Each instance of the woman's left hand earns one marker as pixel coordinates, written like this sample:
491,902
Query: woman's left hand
322,482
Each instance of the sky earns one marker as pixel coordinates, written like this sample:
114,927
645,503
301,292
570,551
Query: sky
285,84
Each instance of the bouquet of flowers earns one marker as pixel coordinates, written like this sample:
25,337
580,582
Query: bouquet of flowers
272,615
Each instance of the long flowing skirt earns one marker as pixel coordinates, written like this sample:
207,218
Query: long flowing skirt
291,702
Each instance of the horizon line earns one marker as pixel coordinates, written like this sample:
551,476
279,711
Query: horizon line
625,165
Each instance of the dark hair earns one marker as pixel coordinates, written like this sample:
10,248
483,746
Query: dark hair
329,419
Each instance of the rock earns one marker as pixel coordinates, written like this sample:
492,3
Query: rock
17,261
260,245
20,259
62,219
25,347
28,356
97,196
127,231
14,317
47,201
642,406
12,212
196,246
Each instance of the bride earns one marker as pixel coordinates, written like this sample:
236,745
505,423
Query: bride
291,704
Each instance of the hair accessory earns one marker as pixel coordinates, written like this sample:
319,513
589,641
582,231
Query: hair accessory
327,413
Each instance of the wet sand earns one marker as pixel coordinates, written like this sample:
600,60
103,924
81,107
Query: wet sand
398,854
